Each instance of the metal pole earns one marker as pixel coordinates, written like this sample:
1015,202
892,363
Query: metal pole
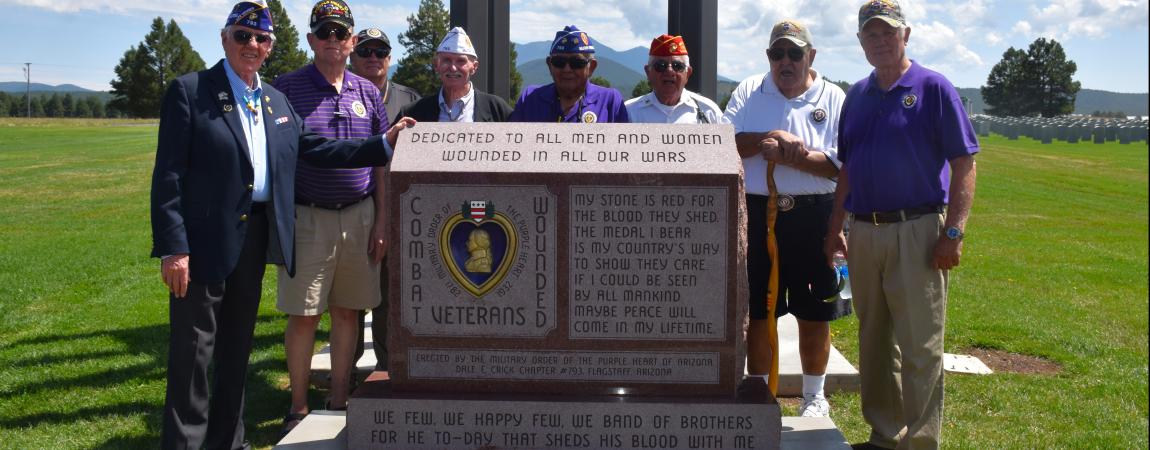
28,86
488,25
697,22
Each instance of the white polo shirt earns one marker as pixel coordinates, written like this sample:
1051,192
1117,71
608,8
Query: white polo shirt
692,108
758,106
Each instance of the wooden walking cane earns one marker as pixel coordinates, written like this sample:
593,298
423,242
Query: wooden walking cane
773,284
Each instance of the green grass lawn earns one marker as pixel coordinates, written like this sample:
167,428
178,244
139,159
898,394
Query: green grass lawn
1055,265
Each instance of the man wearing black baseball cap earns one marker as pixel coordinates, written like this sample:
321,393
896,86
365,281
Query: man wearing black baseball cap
372,60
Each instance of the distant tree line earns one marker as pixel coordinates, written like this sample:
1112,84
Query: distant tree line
45,104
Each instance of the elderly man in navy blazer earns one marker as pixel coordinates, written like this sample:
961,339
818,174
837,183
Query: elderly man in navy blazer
223,206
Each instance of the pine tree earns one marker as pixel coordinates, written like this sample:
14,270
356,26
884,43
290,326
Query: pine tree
82,109
516,78
286,55
69,106
96,106
600,81
134,89
1008,89
145,70
1036,82
641,88
38,107
54,106
425,29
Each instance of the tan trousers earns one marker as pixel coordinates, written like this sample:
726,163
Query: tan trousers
900,301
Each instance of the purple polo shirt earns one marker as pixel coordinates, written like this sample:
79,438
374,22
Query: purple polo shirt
895,145
541,104
356,113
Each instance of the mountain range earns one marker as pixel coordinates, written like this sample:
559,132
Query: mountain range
624,69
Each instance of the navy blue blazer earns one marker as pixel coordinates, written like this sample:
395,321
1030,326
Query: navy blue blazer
202,181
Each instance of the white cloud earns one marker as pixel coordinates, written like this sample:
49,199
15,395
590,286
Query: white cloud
1091,19
937,45
182,10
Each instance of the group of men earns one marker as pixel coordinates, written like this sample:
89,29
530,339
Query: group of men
292,174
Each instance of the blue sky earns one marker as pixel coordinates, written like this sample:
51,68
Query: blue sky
80,41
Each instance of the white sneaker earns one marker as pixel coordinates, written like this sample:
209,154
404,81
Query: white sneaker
814,406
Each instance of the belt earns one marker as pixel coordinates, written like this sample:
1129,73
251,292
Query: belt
901,215
787,202
332,206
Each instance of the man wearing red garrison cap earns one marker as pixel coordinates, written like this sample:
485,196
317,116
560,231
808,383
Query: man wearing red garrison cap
668,69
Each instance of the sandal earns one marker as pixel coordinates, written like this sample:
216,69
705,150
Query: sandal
291,420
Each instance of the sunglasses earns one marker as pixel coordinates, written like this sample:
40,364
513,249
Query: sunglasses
341,34
380,53
794,53
242,37
576,63
677,66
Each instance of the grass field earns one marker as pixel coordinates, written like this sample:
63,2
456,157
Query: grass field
1055,266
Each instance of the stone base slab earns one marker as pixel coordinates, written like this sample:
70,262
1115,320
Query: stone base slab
379,418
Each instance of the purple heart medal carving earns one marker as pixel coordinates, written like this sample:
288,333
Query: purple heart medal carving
478,246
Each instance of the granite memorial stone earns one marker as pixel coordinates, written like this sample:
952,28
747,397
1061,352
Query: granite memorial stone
566,287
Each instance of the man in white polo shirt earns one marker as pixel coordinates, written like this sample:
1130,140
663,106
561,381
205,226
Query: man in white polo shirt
786,129
668,69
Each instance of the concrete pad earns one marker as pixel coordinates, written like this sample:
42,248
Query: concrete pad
320,430
326,430
812,433
964,364
841,375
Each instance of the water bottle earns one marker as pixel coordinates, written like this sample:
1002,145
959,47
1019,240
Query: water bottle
842,275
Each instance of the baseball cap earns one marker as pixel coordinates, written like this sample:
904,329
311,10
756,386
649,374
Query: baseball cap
373,34
793,31
887,10
329,11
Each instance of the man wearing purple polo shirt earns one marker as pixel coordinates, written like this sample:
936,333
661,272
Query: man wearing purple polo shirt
900,130
341,233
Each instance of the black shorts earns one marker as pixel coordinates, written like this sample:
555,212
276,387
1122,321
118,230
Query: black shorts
804,277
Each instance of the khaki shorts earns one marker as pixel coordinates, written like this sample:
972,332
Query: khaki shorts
332,263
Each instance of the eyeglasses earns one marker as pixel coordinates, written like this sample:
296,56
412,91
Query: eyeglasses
576,63
341,34
677,66
794,53
242,37
380,52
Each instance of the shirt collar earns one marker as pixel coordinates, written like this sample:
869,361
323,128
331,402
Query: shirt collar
239,87
685,98
466,99
906,80
320,81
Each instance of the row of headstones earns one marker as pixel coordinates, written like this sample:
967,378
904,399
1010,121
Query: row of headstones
1068,129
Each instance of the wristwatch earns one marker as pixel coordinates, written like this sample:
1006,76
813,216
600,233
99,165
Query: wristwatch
954,234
